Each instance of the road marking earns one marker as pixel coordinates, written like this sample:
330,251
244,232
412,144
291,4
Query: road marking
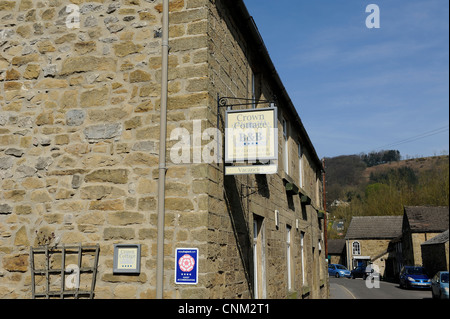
353,296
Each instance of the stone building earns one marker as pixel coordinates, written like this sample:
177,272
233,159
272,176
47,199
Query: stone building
420,224
79,145
368,240
337,251
435,254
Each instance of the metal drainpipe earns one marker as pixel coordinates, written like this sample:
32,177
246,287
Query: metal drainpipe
162,152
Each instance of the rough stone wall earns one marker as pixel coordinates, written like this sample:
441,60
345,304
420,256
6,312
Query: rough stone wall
229,249
417,240
447,260
435,258
233,209
373,248
79,132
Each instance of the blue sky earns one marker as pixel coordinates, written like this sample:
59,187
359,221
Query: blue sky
358,89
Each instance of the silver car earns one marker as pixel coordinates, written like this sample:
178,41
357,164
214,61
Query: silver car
439,285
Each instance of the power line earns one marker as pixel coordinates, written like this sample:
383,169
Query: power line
420,136
416,137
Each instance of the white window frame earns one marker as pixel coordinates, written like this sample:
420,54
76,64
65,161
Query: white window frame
356,248
285,146
253,91
258,259
302,239
300,164
318,188
289,257
255,257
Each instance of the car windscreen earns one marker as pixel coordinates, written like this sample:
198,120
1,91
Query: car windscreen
415,271
444,277
341,267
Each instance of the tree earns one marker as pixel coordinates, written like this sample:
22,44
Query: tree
381,157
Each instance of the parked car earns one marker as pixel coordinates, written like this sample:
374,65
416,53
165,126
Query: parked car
338,271
439,285
414,277
360,272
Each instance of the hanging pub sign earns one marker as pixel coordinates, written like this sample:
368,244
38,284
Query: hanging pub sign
251,135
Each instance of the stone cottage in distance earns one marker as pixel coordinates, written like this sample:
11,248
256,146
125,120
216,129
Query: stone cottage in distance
368,240
421,224
79,140
419,237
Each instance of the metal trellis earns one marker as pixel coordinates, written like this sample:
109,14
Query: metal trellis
48,290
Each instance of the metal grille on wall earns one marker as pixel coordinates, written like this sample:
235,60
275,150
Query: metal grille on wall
63,272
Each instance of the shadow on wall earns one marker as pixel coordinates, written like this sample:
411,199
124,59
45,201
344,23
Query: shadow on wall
241,231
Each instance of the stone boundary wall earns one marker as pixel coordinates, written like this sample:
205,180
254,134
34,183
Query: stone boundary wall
79,132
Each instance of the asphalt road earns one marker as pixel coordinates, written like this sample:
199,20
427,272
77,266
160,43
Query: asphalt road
343,288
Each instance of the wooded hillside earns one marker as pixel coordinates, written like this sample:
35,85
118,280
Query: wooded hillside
354,189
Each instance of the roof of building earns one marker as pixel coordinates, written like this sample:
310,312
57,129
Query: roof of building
439,239
336,246
374,227
427,218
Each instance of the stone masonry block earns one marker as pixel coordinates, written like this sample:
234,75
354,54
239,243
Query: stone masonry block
102,131
125,218
16,263
116,176
87,63
118,233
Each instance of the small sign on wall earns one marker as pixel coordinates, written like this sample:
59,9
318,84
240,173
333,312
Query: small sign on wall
127,259
186,266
